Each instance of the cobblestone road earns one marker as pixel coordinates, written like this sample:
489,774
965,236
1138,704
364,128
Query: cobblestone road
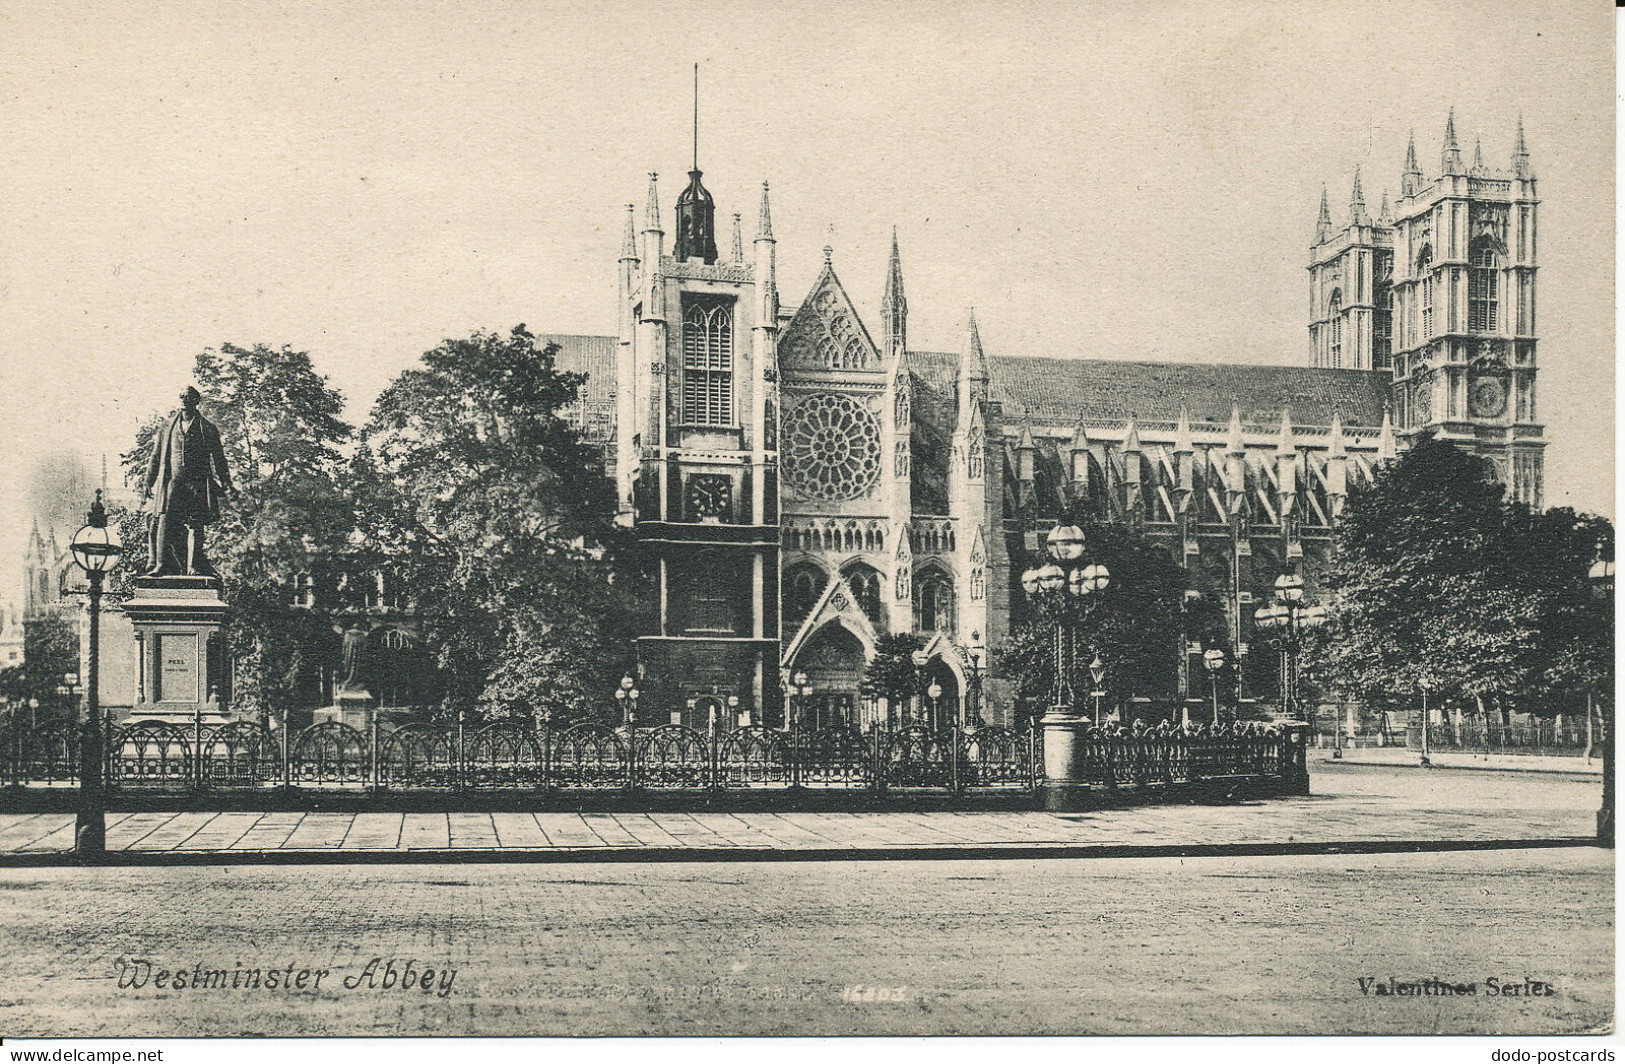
1350,804
1161,945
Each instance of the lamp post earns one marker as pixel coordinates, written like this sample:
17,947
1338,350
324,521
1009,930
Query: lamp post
1213,661
1053,588
971,715
800,689
627,696
920,658
1061,590
1288,616
934,692
97,550
1097,672
1423,686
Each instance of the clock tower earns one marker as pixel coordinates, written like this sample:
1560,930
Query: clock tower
1441,290
696,458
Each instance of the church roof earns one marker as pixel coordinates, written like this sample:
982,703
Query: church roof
592,355
1062,390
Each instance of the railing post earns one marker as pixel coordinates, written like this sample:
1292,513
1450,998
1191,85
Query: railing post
953,767
462,755
372,772
793,752
631,757
287,763
547,753
197,747
716,775
881,750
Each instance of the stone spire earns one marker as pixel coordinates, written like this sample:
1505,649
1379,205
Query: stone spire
1182,432
739,241
1520,154
629,239
1450,158
651,210
1411,182
764,220
1357,213
973,375
1283,440
1386,449
1323,225
1478,155
894,305
1385,214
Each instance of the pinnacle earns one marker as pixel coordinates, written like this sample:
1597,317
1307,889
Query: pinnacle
764,221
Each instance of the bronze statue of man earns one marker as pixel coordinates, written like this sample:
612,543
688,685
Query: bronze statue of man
187,477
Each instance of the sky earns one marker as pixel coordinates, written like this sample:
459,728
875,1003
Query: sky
1101,180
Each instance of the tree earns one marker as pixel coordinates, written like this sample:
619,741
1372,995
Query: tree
1442,586
282,430
1138,625
483,498
891,673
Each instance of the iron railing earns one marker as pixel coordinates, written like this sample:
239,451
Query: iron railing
153,756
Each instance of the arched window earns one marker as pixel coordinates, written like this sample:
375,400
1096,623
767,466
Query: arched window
865,585
934,603
802,586
1334,343
1424,267
1382,317
1483,287
708,353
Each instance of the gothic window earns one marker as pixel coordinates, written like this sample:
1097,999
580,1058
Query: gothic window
802,586
934,605
1382,318
831,447
1334,348
865,584
1483,288
978,584
1424,266
708,350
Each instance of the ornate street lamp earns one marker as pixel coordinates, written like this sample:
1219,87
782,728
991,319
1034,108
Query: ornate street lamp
1213,660
934,692
920,659
733,713
627,696
97,550
1289,617
1053,587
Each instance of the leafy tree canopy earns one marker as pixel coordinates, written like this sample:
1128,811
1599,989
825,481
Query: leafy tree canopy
479,489
1441,584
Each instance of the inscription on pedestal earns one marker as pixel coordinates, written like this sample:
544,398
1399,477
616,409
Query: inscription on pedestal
178,663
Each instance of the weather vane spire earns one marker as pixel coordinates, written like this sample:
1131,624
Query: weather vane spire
696,116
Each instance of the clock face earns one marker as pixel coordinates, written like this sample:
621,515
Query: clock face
1487,397
709,497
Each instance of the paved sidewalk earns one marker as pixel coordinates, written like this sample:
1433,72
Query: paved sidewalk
1355,806
1399,755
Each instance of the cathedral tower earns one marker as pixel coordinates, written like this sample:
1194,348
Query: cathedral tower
1443,294
696,460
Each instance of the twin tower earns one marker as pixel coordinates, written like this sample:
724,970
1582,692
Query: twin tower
1439,290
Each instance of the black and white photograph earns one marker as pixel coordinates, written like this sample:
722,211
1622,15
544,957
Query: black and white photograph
547,520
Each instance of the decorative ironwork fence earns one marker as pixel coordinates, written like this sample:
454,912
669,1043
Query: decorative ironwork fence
153,756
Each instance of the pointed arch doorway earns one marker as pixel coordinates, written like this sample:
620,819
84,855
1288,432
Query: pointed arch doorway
833,659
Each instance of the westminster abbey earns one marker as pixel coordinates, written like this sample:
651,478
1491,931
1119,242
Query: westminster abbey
809,484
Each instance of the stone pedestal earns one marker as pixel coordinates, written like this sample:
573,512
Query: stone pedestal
180,655
352,706
1065,779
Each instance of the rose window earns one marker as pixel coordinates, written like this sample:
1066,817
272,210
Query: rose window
830,447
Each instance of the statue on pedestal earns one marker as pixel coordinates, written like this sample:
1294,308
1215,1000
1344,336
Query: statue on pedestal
186,478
